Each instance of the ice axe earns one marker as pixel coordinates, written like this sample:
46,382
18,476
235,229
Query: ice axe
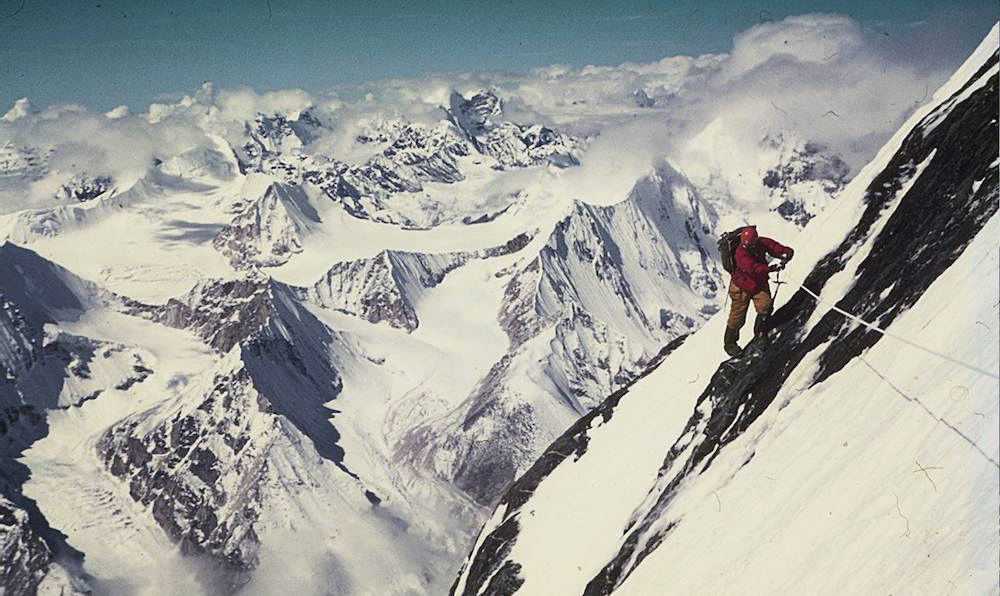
776,269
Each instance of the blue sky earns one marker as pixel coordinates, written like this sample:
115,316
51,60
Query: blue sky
102,53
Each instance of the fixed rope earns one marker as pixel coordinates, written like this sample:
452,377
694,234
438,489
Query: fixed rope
873,327
929,412
935,417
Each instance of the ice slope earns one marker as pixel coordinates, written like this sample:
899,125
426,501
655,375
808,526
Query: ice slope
834,460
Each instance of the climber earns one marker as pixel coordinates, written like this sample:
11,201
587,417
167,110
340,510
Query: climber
750,282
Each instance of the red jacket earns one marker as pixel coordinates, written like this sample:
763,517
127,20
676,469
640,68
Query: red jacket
750,272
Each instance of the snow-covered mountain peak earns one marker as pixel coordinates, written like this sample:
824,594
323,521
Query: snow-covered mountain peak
482,121
280,133
478,114
270,229
780,172
21,108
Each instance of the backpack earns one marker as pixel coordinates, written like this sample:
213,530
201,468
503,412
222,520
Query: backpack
727,246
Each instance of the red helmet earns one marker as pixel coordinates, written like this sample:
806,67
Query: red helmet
748,237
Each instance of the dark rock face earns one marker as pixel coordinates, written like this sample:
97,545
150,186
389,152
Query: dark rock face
221,312
810,162
83,188
953,191
478,114
24,557
20,345
517,315
198,470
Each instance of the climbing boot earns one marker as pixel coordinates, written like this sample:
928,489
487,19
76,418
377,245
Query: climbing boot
729,342
761,325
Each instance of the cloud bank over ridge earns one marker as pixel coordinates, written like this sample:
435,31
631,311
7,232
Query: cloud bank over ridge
819,77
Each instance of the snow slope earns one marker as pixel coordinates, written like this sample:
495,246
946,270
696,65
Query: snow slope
836,459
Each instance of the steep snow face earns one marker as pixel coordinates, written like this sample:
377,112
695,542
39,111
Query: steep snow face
832,437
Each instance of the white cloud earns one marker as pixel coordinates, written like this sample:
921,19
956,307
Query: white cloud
808,38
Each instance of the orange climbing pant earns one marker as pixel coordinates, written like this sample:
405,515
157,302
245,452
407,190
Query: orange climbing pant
741,302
